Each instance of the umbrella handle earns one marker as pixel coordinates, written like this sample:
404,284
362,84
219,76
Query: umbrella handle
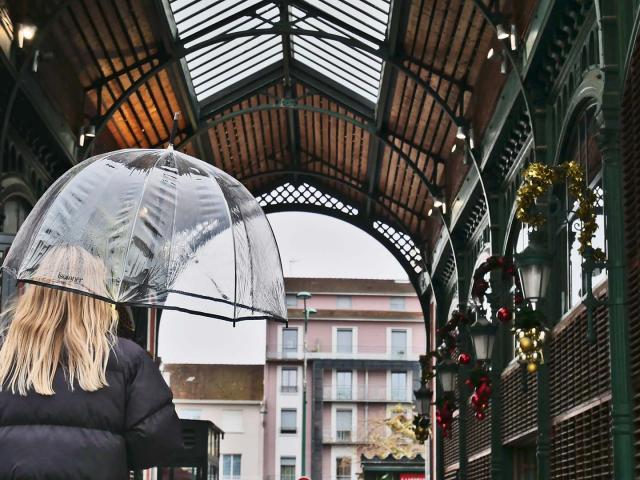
174,128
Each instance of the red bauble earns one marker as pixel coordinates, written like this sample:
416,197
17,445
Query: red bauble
464,358
504,314
511,270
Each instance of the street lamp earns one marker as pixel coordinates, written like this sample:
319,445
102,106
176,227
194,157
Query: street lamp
447,371
534,267
423,399
308,311
483,334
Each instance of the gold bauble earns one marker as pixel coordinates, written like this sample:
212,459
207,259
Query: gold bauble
526,344
532,367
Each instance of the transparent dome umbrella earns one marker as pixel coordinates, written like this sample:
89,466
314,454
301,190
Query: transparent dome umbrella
153,228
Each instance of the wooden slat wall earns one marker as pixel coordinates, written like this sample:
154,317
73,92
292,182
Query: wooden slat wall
519,415
480,469
581,446
478,431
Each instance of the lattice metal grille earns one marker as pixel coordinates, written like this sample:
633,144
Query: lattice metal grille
519,414
579,371
480,469
403,243
581,447
304,194
478,431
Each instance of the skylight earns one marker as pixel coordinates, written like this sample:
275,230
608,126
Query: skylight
215,67
352,67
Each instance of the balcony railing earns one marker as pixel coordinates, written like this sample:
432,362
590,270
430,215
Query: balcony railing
318,350
347,437
364,393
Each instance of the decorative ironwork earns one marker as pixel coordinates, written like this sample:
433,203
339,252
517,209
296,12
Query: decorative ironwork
403,243
304,194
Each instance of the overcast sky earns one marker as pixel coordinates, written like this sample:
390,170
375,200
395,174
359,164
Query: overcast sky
310,246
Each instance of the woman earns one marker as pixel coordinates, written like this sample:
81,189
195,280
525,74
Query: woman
77,402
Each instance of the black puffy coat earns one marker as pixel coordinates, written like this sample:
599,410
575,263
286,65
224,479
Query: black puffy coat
130,424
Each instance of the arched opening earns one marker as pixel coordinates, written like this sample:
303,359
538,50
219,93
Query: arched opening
312,246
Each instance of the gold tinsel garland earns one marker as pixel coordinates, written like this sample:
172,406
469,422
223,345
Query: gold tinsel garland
538,178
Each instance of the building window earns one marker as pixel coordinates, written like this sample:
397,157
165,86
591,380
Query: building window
524,463
343,301
344,384
397,304
287,468
344,425
232,421
290,341
231,466
343,468
292,300
399,386
289,380
344,340
399,343
288,420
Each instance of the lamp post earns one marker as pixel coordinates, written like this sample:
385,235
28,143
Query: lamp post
307,312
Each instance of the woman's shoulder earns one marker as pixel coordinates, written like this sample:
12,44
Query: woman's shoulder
126,355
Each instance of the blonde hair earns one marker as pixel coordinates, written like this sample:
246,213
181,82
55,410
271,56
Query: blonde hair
52,327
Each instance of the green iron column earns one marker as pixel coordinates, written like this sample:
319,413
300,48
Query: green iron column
621,389
542,134
614,43
498,299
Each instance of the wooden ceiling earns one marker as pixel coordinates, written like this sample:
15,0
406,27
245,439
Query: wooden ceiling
120,65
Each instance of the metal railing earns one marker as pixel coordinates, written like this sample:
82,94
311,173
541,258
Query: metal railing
364,393
347,437
322,351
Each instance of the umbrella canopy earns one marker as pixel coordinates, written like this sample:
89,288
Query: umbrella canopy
154,228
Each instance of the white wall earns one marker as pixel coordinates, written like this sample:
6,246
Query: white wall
188,338
248,442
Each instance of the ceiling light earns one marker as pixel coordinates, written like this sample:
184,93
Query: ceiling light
513,38
453,149
503,66
190,379
490,53
91,131
471,141
461,134
81,138
437,203
501,32
26,31
430,212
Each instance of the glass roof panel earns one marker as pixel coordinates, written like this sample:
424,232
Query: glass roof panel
342,60
354,26
219,65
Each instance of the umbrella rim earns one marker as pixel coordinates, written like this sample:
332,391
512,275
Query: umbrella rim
265,316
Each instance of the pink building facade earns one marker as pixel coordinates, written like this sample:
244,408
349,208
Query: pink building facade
363,346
